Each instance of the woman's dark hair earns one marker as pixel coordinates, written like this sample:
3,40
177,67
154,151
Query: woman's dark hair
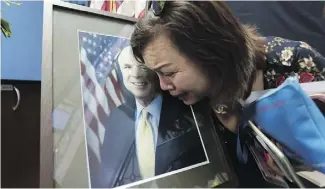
208,34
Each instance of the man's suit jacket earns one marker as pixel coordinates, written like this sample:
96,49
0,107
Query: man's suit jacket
178,144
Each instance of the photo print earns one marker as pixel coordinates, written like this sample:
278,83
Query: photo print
135,132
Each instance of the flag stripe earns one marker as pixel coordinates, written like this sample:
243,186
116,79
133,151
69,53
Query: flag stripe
93,142
100,87
92,74
94,110
113,77
111,85
90,98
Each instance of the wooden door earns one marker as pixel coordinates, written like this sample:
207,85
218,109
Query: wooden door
20,133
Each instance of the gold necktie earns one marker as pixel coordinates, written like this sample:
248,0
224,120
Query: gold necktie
146,148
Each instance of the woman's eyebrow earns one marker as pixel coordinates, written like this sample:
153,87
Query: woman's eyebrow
159,66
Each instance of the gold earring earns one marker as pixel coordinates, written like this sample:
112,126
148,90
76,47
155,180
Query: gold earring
221,109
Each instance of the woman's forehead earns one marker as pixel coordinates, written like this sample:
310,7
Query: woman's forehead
158,51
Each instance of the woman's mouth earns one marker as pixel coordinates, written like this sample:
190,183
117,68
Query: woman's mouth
181,96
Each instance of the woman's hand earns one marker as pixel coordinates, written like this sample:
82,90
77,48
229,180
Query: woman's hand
272,165
270,162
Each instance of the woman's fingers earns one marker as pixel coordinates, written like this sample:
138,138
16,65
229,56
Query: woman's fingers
272,165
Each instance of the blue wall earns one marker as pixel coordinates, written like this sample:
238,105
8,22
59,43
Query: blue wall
21,54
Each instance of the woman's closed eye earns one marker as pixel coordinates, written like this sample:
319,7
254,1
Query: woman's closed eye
168,74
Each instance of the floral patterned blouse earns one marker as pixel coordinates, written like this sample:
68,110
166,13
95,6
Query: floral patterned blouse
291,58
284,58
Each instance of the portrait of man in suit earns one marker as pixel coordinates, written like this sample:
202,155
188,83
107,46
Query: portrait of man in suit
150,136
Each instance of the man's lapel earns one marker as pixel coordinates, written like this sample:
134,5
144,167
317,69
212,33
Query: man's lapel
170,132
129,109
169,123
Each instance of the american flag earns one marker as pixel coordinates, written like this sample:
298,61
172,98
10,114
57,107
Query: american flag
131,8
100,87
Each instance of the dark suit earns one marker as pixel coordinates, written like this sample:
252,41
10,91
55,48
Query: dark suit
178,144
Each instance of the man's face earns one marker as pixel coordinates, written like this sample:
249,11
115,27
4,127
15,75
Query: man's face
137,78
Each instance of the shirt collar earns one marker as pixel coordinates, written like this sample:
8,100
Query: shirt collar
154,108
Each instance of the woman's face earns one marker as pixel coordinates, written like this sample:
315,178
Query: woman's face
177,74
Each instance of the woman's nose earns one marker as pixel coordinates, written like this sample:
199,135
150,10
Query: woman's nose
164,84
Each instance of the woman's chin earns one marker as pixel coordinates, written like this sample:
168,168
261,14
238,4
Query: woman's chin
189,100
